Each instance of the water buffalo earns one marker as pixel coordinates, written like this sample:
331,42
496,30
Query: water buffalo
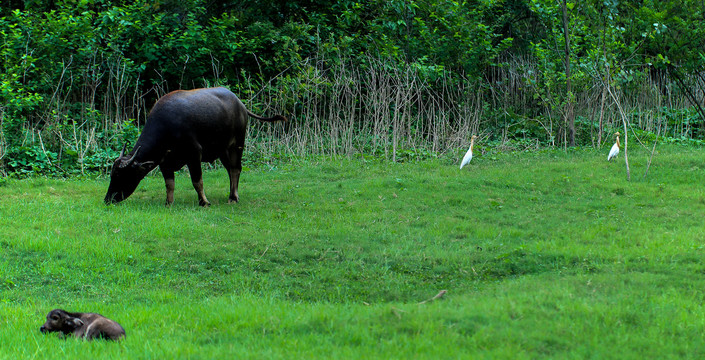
87,326
186,127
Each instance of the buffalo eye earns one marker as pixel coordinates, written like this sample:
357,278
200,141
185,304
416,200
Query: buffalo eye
55,317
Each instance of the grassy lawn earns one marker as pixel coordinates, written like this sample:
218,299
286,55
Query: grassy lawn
543,255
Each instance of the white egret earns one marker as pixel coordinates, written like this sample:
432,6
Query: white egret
468,155
615,148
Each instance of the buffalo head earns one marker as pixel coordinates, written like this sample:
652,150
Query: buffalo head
60,320
125,175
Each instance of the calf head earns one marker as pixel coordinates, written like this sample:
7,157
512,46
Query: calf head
125,175
60,320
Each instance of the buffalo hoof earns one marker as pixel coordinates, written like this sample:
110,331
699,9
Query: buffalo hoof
204,203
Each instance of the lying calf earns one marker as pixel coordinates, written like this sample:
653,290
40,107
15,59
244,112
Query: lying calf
82,325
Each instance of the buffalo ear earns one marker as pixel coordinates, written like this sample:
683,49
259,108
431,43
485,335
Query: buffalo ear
148,165
74,322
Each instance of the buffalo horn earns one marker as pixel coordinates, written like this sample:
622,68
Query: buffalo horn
122,153
129,162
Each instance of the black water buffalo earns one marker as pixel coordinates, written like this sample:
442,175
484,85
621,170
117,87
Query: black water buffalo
87,326
186,128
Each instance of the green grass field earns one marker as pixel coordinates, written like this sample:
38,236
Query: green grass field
543,255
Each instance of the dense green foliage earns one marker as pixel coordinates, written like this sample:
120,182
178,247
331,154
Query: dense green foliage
77,77
562,259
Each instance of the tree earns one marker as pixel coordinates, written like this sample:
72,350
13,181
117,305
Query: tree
569,115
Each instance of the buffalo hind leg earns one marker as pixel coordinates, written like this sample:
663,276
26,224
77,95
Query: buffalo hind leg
232,161
197,179
170,185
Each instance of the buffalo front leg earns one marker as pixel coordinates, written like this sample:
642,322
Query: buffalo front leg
170,185
197,181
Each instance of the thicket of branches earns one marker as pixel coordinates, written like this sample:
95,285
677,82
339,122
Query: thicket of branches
391,78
